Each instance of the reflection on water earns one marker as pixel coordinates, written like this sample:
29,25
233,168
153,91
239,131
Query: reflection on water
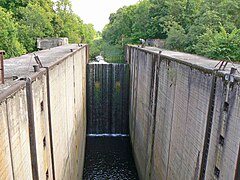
109,158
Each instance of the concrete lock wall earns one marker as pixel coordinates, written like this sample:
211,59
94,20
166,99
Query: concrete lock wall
43,117
15,148
68,109
182,126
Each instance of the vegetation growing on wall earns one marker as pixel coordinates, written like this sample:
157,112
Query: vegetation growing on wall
23,21
206,27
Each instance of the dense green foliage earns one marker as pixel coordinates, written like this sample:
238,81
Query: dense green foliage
9,35
205,27
111,53
23,21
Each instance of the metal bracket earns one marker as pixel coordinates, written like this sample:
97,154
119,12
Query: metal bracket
38,61
222,66
230,77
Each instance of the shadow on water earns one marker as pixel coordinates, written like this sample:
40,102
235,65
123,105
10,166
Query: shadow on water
109,158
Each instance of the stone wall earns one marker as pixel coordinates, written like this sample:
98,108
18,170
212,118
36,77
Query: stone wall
177,106
43,117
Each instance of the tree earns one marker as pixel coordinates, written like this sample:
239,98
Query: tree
38,19
120,28
9,35
140,28
35,23
89,33
220,44
70,25
14,5
176,37
157,11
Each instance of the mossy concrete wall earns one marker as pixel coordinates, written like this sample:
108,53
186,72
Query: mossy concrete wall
43,115
180,126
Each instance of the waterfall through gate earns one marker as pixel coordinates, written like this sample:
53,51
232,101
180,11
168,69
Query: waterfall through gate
107,99
108,147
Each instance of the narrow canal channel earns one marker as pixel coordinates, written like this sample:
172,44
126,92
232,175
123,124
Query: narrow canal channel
108,152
